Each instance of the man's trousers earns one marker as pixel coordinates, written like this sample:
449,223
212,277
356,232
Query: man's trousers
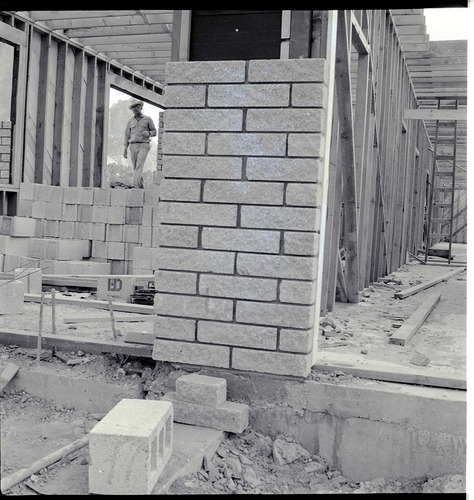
138,153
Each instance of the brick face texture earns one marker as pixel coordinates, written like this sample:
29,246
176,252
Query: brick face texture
241,203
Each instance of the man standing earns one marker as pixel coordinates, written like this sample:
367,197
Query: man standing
138,131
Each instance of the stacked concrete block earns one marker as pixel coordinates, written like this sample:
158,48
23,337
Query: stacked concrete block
142,259
240,209
130,447
58,249
5,151
12,294
201,400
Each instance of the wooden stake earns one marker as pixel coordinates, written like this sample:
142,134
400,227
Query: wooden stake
40,327
53,311
112,320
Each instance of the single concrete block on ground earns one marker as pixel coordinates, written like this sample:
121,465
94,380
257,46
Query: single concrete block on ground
229,417
130,447
12,294
201,389
117,288
33,279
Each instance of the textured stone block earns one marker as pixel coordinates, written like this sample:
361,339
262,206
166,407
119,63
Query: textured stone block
288,70
206,261
299,219
205,72
203,120
176,236
304,195
130,447
234,334
186,306
191,353
237,287
22,227
309,94
12,295
300,243
32,278
201,389
252,193
176,282
184,96
183,143
230,417
175,328
202,167
298,292
278,363
284,120
284,169
261,313
276,266
300,341
305,145
198,214
243,144
180,190
244,240
256,96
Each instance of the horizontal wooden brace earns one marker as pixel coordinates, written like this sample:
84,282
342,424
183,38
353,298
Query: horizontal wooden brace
435,114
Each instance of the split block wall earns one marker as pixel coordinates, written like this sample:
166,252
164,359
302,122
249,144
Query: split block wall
240,213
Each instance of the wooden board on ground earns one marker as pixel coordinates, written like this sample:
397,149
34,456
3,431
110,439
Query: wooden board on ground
7,374
60,342
106,319
422,286
413,323
358,366
96,304
140,338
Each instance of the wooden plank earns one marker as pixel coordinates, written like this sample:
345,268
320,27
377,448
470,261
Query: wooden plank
46,15
435,114
146,95
95,304
346,138
61,342
101,42
101,125
101,319
140,338
427,284
123,29
358,366
8,372
408,329
89,122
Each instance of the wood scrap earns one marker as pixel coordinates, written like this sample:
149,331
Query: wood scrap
40,327
422,286
8,372
105,319
19,476
53,311
413,323
140,337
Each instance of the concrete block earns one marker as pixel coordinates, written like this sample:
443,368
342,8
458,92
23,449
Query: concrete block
129,248
133,215
99,249
251,193
191,353
208,214
298,292
22,227
16,246
184,143
116,215
180,190
237,287
256,96
285,315
84,213
300,341
99,214
201,389
135,197
12,295
285,120
83,231
102,196
244,240
166,327
50,228
288,70
147,215
2,260
131,233
203,119
309,94
117,288
183,259
98,231
54,211
71,195
86,196
118,267
184,96
276,266
175,236
305,145
31,277
11,261
145,237
186,306
115,250
202,167
67,229
130,447
143,256
278,363
229,417
284,169
253,144
304,195
118,197
291,218
114,232
25,208
40,223
176,282
300,243
27,191
5,225
259,337
205,72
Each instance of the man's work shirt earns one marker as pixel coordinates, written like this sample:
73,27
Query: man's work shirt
135,128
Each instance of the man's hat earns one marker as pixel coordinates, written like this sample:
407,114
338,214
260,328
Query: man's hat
134,103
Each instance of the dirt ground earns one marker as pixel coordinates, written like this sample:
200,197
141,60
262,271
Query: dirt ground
247,463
